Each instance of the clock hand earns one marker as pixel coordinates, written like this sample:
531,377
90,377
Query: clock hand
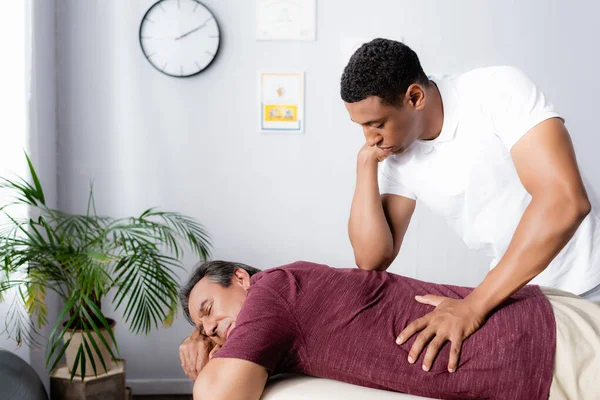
193,30
158,37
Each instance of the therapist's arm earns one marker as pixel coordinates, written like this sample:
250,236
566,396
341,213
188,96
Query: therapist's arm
546,164
377,223
230,379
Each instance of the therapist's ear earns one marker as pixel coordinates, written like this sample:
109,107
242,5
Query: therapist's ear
415,96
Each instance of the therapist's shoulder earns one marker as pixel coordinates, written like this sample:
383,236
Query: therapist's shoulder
486,81
491,74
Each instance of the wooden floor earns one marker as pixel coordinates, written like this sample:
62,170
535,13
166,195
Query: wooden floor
163,397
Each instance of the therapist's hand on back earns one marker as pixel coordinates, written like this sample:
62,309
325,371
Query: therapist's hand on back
452,320
195,352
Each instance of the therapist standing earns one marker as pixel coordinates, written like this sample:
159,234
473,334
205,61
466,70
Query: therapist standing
487,152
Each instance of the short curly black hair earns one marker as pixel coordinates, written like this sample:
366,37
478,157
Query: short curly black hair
383,68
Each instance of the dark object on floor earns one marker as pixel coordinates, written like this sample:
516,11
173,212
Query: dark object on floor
18,380
103,387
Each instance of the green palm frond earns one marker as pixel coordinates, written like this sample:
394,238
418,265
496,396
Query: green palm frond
82,258
17,324
149,284
34,299
36,191
7,284
194,232
80,229
26,193
170,318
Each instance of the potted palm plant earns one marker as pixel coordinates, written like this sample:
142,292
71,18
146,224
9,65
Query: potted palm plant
85,258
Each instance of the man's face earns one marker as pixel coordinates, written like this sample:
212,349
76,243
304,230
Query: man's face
390,127
214,308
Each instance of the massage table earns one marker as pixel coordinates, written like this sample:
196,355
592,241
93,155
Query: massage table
301,387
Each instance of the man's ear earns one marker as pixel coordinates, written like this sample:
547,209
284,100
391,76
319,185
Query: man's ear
415,96
241,277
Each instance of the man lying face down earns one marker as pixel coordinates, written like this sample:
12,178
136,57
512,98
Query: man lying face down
342,324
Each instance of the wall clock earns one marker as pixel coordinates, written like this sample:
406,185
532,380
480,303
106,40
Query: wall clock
180,38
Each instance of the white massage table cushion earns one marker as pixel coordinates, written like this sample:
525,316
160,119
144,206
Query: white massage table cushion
301,387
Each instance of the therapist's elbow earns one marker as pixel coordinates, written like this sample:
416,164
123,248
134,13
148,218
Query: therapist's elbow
367,264
373,256
584,207
576,208
570,211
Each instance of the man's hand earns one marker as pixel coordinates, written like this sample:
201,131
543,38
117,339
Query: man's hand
194,352
453,320
372,154
214,350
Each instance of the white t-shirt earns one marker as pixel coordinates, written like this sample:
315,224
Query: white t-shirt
467,176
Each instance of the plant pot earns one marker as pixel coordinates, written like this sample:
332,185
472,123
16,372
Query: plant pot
77,336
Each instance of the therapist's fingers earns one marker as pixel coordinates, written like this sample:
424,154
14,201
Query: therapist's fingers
412,328
454,354
430,299
373,152
420,343
432,351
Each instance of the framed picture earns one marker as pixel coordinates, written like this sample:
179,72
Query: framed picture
293,20
281,102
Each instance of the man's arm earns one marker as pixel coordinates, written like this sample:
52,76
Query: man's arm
377,223
546,164
194,353
230,379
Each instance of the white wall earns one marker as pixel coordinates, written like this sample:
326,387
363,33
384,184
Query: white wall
13,129
190,144
28,121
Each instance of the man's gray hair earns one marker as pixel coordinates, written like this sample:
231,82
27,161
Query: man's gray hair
217,271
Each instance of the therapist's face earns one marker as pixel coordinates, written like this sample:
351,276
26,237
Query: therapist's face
392,128
214,308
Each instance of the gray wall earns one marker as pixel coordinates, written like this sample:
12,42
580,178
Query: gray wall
191,144
42,135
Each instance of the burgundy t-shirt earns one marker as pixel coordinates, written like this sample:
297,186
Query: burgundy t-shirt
342,324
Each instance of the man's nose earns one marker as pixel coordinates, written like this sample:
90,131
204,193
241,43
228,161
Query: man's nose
210,328
372,138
